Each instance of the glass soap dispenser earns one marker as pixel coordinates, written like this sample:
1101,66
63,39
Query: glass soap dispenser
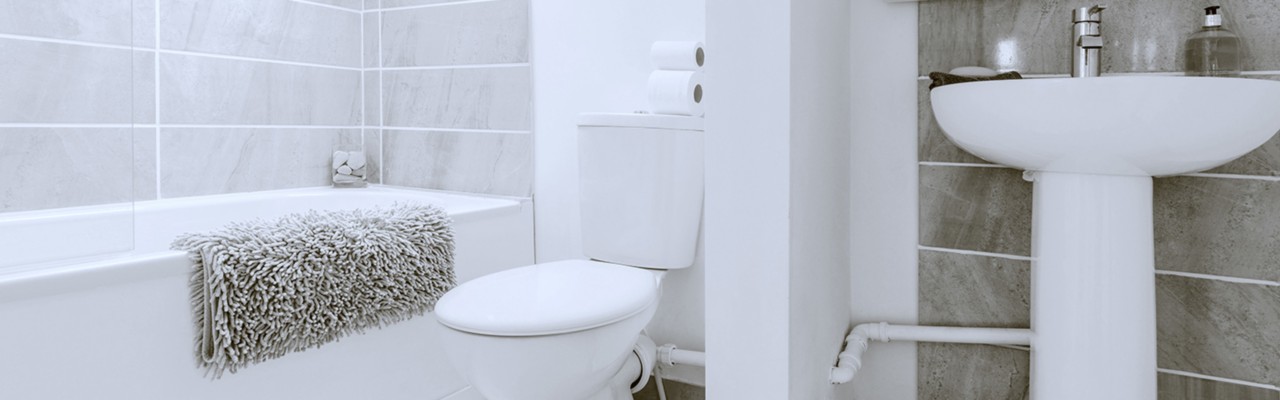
1213,50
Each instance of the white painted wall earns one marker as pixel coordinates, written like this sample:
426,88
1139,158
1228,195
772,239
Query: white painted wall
884,184
593,56
820,168
748,199
778,187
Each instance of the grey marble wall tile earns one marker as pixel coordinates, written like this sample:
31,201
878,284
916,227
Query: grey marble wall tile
1218,226
372,99
144,164
348,4
970,290
370,36
675,390
409,3
972,372
1264,160
494,32
97,21
1034,36
951,35
373,150
969,208
205,161
1258,24
1177,387
933,143
1219,328
271,29
492,163
51,82
144,23
144,87
476,98
203,90
372,4
65,167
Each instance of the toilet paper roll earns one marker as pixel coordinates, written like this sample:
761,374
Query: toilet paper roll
677,56
675,92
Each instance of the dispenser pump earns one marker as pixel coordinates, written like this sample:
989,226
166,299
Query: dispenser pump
1213,50
1211,17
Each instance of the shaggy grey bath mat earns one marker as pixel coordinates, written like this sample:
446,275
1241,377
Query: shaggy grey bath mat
261,288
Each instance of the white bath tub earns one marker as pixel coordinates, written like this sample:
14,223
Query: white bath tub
119,326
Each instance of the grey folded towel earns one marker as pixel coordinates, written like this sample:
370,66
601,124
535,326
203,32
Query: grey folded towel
943,78
261,289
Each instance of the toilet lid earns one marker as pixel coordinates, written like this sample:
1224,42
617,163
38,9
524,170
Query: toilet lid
550,298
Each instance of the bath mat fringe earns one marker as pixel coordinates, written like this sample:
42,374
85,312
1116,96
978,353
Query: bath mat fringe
261,289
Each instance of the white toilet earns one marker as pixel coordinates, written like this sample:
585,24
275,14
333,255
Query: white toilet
565,330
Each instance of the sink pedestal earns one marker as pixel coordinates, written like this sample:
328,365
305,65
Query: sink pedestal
1095,143
1092,287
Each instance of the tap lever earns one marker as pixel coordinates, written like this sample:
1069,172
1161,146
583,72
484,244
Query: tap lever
1086,41
1088,14
1090,42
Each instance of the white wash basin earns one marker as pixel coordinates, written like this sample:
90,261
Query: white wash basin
1128,125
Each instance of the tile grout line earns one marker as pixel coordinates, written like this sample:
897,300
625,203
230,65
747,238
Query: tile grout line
382,106
454,66
5,125
973,253
364,109
1233,176
1218,379
459,130
329,6
1157,73
156,83
69,42
157,49
1267,178
1221,278
447,4
960,164
261,60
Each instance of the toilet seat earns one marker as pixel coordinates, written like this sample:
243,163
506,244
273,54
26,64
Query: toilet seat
547,299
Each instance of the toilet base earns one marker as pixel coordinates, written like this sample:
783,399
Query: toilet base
619,386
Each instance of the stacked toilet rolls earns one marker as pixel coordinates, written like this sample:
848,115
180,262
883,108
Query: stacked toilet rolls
675,87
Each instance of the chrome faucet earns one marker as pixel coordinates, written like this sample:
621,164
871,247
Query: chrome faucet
1086,42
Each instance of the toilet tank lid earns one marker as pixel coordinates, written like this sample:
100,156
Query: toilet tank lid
640,120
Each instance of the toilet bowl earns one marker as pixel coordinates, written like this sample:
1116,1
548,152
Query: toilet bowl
565,330
558,330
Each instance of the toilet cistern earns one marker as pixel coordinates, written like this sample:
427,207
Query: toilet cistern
1086,42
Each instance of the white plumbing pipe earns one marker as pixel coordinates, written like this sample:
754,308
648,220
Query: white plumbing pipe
850,360
669,355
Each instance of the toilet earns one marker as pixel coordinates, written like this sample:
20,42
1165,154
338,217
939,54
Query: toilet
567,330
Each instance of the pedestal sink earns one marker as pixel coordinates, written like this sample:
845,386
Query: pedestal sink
1091,146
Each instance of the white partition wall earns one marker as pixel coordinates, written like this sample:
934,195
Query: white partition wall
884,271
777,212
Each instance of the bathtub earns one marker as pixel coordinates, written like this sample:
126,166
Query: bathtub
118,326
